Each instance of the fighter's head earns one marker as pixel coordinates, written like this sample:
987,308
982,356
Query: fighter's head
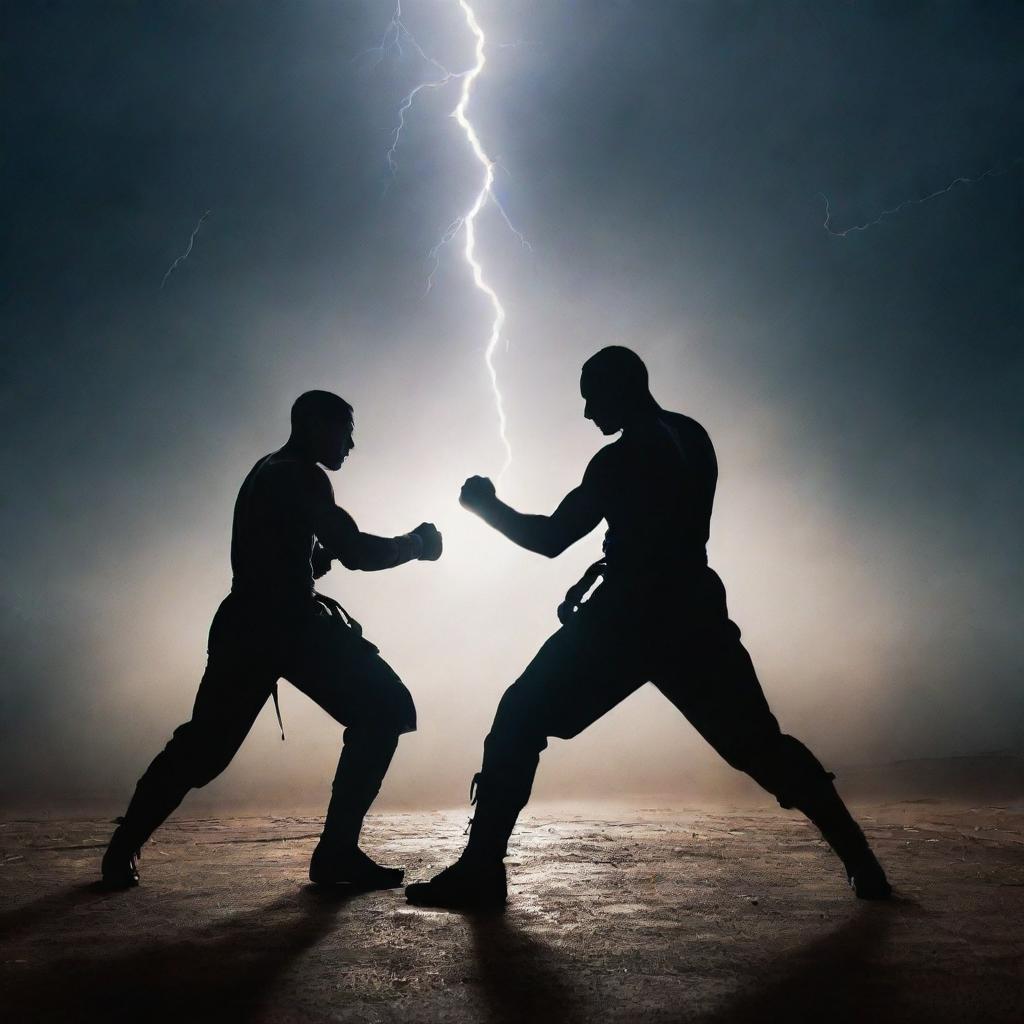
614,388
322,424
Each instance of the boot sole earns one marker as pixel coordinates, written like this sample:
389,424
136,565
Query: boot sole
118,884
875,893
363,885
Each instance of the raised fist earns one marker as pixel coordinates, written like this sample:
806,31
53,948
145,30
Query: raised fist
429,534
477,492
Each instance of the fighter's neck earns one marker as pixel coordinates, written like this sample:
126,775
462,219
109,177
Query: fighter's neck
294,449
643,418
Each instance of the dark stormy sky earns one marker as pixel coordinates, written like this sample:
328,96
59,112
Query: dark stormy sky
665,161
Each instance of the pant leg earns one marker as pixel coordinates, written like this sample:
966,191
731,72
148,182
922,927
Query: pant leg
717,689
238,680
708,674
345,674
584,670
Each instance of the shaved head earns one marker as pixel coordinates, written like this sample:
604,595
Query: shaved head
319,406
619,369
615,388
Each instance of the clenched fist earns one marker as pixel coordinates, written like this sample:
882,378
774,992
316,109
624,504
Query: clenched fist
430,536
477,493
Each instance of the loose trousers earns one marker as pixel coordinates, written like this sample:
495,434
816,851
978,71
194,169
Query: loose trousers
683,642
321,654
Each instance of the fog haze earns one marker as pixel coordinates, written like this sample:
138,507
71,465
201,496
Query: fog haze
665,162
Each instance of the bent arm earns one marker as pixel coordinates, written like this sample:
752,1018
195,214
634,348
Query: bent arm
577,514
336,530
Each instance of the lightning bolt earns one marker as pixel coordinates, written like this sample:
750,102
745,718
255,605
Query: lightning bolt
396,36
184,256
469,224
992,172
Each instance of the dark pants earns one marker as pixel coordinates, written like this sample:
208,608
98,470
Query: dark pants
620,639
249,650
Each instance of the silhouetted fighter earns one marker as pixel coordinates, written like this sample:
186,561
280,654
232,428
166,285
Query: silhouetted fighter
659,615
286,531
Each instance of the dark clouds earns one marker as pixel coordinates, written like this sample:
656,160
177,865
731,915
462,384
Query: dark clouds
663,158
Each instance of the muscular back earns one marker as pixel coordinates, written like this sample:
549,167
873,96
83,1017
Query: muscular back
655,487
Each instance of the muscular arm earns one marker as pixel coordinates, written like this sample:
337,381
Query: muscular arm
337,532
577,514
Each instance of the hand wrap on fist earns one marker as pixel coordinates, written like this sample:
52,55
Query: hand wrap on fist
431,544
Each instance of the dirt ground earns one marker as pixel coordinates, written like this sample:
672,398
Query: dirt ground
656,914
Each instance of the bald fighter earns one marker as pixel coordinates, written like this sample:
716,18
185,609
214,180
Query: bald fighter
659,614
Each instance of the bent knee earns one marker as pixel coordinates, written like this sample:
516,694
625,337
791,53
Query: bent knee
193,758
206,773
389,710
204,765
519,721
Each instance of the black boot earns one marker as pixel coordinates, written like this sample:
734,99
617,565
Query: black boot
151,805
468,884
826,809
337,859
120,867
477,881
331,865
867,879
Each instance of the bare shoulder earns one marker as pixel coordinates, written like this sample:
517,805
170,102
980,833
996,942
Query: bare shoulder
303,479
317,483
603,460
689,429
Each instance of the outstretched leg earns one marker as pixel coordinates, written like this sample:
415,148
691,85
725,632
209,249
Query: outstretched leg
345,675
581,672
236,684
714,684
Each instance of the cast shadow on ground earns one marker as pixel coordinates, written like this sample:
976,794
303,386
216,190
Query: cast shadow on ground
218,971
520,977
859,973
51,907
840,978
832,979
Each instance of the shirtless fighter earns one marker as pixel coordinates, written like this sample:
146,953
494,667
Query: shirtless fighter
659,615
287,529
